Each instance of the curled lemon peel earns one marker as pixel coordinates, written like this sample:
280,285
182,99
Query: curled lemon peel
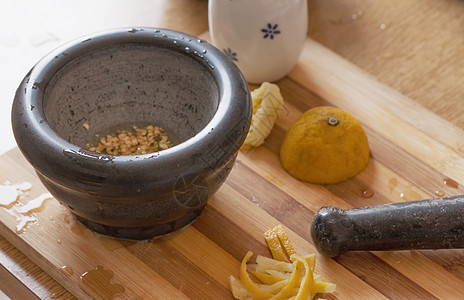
265,264
267,103
238,290
307,281
273,243
311,259
284,240
323,287
267,278
287,291
276,238
275,287
251,287
279,279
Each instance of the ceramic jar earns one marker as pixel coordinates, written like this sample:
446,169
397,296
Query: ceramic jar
263,37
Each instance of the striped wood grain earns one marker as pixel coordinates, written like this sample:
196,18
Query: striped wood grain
196,262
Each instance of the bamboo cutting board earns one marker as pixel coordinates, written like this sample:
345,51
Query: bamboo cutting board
414,155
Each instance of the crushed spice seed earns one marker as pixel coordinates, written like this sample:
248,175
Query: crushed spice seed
139,141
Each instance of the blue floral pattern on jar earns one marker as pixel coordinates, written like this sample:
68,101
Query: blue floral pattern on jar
231,54
270,31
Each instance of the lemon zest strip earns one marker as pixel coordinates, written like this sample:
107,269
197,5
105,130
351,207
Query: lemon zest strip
254,290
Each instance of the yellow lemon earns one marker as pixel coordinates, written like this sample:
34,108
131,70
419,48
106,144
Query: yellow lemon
325,145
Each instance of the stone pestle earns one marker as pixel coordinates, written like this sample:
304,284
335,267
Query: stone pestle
425,224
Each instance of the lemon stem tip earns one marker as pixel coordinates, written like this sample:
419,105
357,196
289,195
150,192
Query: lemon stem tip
332,121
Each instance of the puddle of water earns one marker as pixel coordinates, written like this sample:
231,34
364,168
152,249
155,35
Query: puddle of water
99,280
16,201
